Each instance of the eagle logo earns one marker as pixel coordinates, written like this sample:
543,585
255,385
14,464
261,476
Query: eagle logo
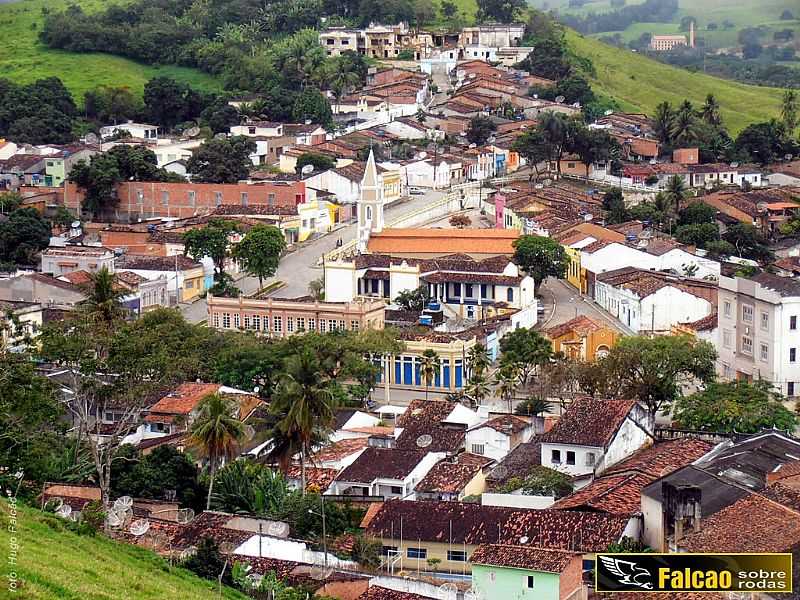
627,572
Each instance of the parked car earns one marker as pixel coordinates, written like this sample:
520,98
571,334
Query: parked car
416,191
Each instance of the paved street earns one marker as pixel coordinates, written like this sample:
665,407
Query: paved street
563,302
300,267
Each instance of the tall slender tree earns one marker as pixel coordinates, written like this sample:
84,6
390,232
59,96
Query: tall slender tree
710,111
217,432
429,367
506,380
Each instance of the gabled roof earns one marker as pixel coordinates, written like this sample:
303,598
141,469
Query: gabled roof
505,424
427,417
517,463
473,524
382,463
452,475
184,399
523,557
377,592
589,422
141,262
581,325
444,241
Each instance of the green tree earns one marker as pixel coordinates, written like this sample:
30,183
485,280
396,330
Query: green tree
22,235
720,249
506,380
320,162
478,360
675,192
217,433
303,400
735,406
654,370
540,257
543,481
748,241
790,107
710,112
213,241
500,11
697,234
312,105
250,488
260,251
480,129
614,204
526,348
222,160
103,302
532,407
765,142
697,213
429,368
413,299
663,121
208,562
478,388
533,146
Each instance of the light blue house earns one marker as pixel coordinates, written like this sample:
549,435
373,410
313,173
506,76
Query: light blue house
526,573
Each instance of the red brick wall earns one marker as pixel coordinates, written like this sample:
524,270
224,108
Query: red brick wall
135,241
571,579
176,202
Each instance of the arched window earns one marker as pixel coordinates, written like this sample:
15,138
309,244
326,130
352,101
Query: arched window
510,294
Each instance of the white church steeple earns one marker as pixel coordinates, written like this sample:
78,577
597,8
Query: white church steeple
370,204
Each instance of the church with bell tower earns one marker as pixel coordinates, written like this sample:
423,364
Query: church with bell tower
370,204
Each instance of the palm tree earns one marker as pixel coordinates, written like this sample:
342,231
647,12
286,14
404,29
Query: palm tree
662,122
710,111
429,367
684,125
102,304
506,381
478,360
675,192
533,407
304,402
341,79
478,388
217,433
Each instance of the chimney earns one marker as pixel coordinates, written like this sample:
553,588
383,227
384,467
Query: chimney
691,33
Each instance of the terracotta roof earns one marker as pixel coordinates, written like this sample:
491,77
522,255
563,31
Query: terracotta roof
385,463
643,282
254,209
752,524
381,593
451,476
444,241
506,424
784,286
315,476
184,399
523,557
581,325
426,417
78,277
707,323
784,495
129,278
663,458
339,450
209,524
474,524
141,262
517,463
589,422
596,231
660,596
614,494
447,277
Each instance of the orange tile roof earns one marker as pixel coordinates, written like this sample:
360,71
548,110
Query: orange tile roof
444,241
184,399
339,450
78,277
596,231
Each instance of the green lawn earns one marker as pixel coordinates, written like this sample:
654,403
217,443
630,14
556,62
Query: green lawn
640,83
54,564
23,59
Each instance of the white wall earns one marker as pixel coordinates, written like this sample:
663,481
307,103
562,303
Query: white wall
671,306
580,467
517,501
340,282
630,438
496,445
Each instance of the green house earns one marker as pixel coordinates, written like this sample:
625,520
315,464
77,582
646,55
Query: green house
525,572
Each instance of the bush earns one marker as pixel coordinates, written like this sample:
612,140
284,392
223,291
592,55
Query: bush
208,562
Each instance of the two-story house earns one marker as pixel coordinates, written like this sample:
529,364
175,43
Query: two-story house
594,434
498,436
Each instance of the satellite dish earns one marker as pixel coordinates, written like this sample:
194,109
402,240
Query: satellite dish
76,516
140,527
320,572
123,502
560,99
424,440
113,519
307,169
278,529
91,138
524,539
227,548
53,504
184,516
473,594
193,131
500,472
64,511
447,591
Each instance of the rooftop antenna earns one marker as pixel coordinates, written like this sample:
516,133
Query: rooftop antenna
123,502
560,99
53,504
193,131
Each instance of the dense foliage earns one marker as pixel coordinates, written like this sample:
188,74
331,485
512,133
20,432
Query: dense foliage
41,112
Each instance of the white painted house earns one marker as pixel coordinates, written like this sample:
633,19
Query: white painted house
387,472
258,128
594,434
651,301
141,131
498,436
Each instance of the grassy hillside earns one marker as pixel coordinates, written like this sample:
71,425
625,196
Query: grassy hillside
60,565
640,83
23,59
